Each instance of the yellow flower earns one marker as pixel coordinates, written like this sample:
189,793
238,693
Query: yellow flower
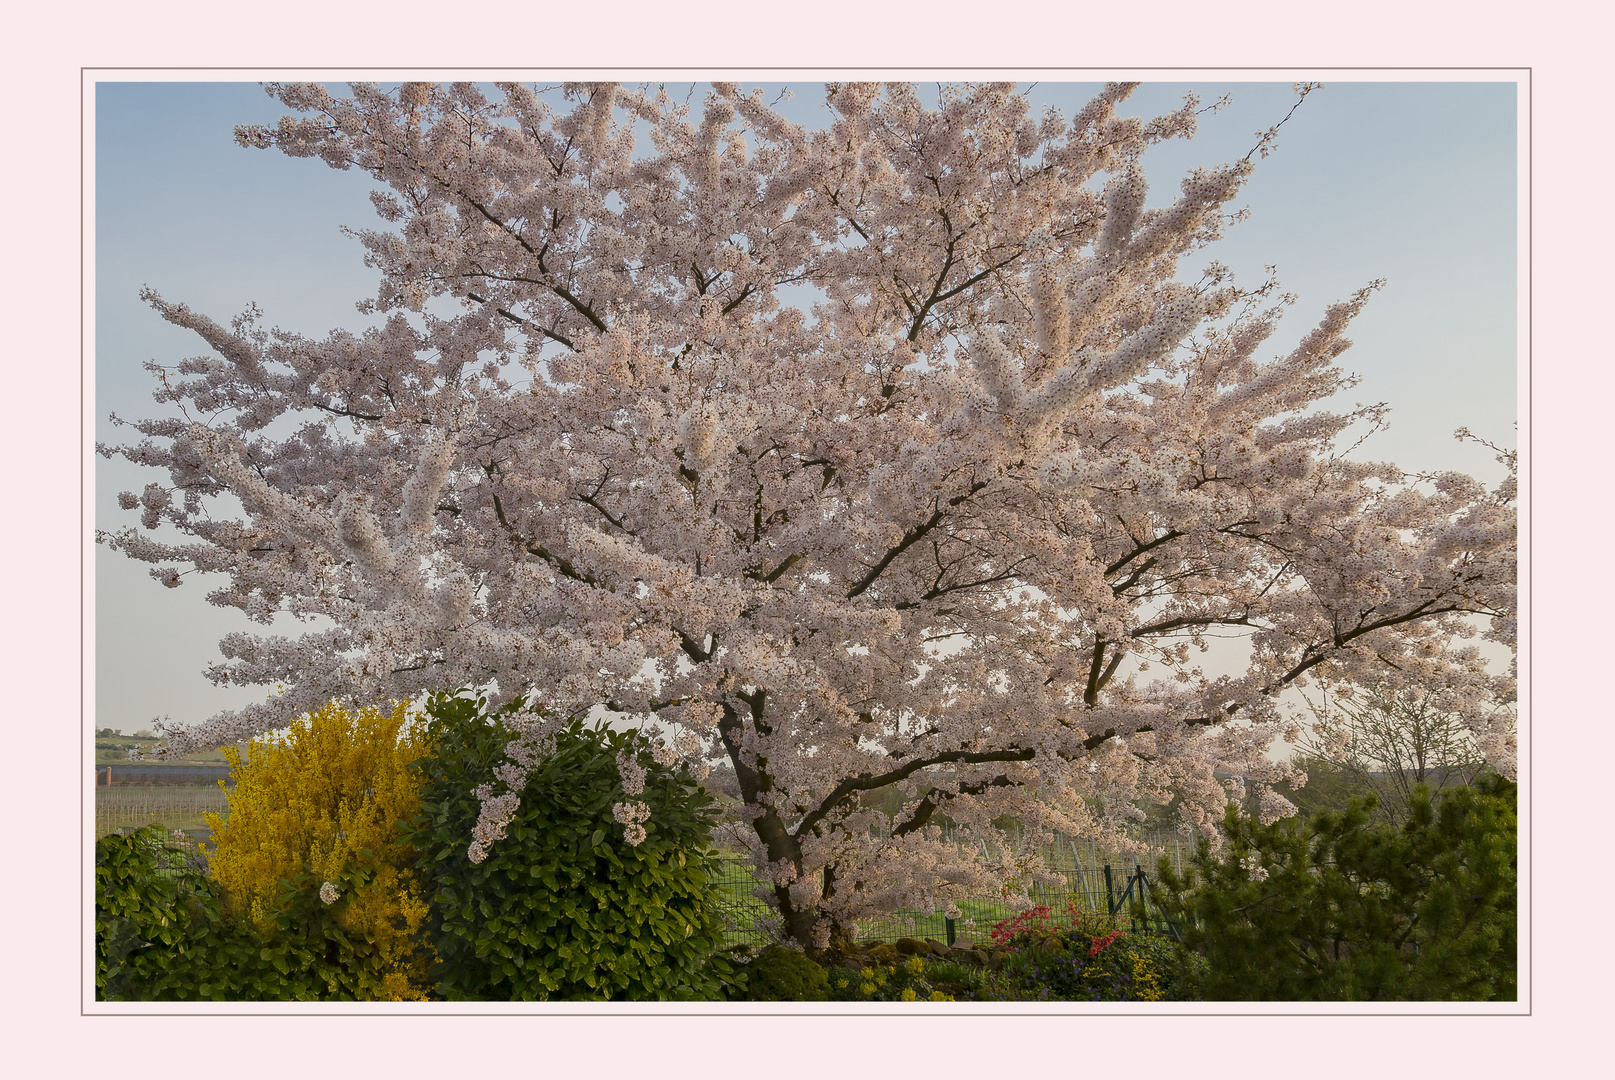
937,995
1148,984
841,984
867,988
908,995
321,800
916,965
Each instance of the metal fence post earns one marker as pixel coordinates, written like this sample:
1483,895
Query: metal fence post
1110,893
948,923
1144,896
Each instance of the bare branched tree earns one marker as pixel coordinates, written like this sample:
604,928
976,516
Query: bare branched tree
1388,745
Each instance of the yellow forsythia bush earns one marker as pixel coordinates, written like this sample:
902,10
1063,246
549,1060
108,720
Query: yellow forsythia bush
315,800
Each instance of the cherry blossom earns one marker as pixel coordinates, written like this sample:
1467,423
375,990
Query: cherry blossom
961,529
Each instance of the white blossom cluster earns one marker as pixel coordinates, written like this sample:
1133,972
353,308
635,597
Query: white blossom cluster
631,772
960,532
496,813
631,816
329,893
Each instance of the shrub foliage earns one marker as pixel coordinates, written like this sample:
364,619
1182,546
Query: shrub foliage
780,973
162,934
914,979
1078,955
1341,909
563,908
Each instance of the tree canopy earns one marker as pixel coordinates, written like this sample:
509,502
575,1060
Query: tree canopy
935,532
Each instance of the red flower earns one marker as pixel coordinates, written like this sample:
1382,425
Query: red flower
1099,944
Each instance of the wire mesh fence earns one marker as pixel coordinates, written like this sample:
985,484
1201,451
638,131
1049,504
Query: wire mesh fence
1093,879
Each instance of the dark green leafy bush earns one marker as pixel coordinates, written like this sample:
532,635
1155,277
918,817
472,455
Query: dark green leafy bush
563,908
1341,909
784,974
153,915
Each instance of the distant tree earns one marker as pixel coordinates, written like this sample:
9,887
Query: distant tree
1328,787
1342,909
1387,745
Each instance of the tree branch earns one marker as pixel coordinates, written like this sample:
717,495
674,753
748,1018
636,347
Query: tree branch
513,317
909,539
928,805
868,782
1141,549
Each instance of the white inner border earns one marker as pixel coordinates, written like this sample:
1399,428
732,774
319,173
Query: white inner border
1519,77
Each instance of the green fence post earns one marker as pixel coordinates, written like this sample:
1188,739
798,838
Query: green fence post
1144,897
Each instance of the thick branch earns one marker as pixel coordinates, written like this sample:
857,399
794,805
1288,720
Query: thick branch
942,590
590,501
868,782
910,538
1139,550
928,805
513,317
1090,694
776,573
1191,620
693,648
560,563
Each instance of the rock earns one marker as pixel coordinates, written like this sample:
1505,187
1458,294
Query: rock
909,946
882,953
936,947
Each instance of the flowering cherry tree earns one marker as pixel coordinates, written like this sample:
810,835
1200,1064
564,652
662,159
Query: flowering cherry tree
961,529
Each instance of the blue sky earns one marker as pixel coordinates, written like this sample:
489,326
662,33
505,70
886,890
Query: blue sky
1411,182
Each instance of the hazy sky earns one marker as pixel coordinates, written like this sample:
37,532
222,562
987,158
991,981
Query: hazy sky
1411,182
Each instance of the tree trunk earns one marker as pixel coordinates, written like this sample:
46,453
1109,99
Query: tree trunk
777,841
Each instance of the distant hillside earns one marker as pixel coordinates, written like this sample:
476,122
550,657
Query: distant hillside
112,748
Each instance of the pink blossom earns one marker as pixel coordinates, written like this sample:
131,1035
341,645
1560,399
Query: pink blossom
958,535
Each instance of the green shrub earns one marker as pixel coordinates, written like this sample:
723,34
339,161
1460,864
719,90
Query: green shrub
161,933
783,974
563,908
152,912
1341,909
